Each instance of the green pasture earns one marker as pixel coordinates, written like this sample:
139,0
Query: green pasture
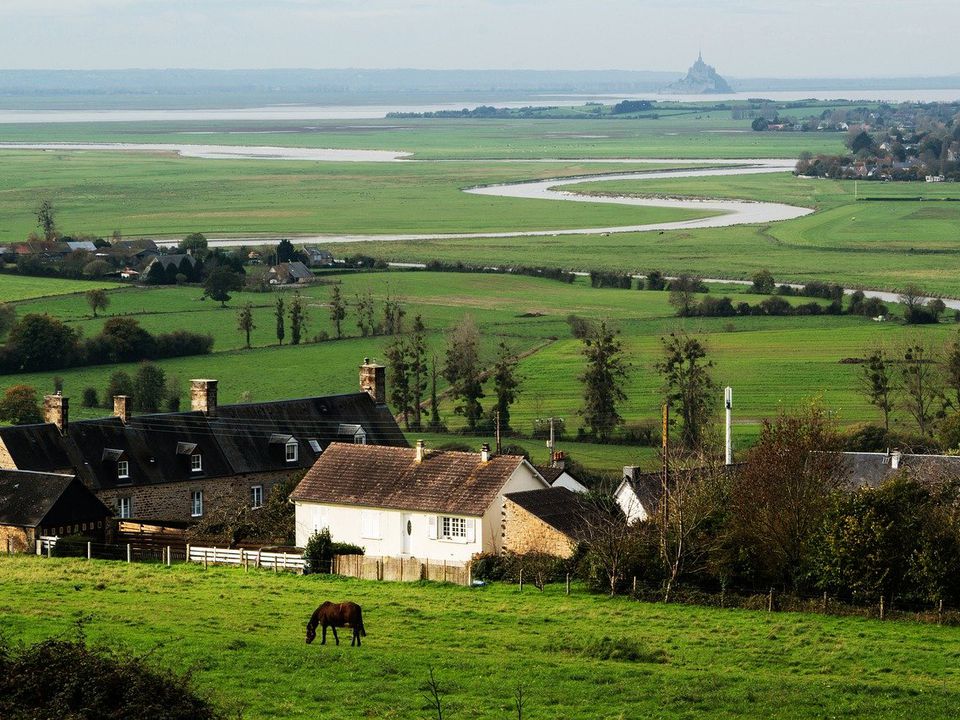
773,363
241,635
20,287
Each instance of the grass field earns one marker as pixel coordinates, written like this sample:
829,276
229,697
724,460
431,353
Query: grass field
242,636
772,362
19,287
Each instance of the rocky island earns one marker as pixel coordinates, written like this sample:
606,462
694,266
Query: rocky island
701,79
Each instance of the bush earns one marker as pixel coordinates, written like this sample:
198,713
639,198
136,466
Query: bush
623,649
579,327
69,679
320,550
90,399
654,281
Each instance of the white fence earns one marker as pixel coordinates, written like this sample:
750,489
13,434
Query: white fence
247,558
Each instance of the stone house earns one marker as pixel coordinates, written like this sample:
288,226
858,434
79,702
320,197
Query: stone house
35,504
547,521
411,502
181,466
288,273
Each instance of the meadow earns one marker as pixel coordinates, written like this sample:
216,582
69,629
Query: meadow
773,363
241,636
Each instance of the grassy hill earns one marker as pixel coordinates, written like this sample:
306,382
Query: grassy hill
242,635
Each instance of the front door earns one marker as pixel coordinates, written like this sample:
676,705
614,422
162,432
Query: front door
407,531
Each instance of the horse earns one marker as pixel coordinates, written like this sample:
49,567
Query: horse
334,615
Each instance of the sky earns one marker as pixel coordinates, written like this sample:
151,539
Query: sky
741,38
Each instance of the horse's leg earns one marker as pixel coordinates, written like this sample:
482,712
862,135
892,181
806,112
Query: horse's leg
356,634
334,628
324,641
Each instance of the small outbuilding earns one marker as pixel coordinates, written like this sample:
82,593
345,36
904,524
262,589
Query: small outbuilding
35,504
289,272
549,521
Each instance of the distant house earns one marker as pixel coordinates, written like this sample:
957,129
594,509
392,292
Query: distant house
413,502
75,245
287,273
639,493
549,520
35,504
181,466
317,257
872,469
557,475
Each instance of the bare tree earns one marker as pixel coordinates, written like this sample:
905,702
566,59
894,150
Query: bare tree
434,696
878,383
921,384
611,541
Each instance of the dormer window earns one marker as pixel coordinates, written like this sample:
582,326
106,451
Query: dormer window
123,470
315,446
191,451
196,462
292,450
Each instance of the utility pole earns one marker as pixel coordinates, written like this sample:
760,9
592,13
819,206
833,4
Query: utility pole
664,497
498,433
728,405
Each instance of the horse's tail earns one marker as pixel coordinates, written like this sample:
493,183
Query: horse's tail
363,631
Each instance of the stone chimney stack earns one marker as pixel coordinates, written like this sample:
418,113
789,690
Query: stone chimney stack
203,396
421,451
373,381
558,460
123,407
56,410
485,452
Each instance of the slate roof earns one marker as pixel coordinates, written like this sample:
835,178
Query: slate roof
871,469
37,447
445,481
168,260
648,486
28,498
291,270
549,473
558,507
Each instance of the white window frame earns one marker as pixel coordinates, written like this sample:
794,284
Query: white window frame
360,437
196,503
123,469
453,528
256,496
124,507
295,447
196,462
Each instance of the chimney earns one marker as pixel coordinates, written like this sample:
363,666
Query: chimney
373,381
895,459
485,452
558,460
421,451
631,472
123,407
203,396
56,411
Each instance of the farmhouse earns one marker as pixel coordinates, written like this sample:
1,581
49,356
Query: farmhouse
33,504
414,502
317,257
288,273
639,493
181,466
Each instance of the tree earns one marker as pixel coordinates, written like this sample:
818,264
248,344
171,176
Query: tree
20,405
688,385
877,382
46,219
365,314
912,298
8,317
393,314
285,251
682,294
417,362
759,124
298,319
149,387
120,383
436,424
780,496
763,283
195,244
97,300
220,283
505,383
462,370
398,360
612,544
603,380
172,393
921,386
245,320
123,340
936,308
951,369
41,342
279,314
89,398
338,310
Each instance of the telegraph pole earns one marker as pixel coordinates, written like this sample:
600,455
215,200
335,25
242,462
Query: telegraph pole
498,432
664,498
728,405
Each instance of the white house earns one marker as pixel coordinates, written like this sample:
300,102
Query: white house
413,502
638,493
557,476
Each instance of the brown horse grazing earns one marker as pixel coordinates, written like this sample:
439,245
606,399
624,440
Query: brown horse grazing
334,615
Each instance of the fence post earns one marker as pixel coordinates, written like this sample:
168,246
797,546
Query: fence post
940,612
770,601
257,561
521,579
49,549
401,568
129,553
169,556
9,546
881,607
824,601
188,552
89,549
634,586
39,546
568,583
275,563
245,558
470,573
204,558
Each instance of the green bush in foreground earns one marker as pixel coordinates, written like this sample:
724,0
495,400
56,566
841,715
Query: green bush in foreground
69,679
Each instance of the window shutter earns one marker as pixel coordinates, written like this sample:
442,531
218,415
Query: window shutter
432,527
471,529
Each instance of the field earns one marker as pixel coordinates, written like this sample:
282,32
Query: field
242,635
772,362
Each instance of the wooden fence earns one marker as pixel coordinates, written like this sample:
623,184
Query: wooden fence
247,558
401,569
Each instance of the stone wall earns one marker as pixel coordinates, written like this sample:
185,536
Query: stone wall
22,540
524,533
173,501
6,461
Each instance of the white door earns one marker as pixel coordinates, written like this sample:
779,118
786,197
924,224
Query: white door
407,531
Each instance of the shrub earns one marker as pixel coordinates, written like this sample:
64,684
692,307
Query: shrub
320,550
654,281
623,649
90,399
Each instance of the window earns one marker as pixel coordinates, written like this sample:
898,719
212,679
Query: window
196,503
360,438
453,528
256,496
196,462
124,507
315,446
123,469
292,450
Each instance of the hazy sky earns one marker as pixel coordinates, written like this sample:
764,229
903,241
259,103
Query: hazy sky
745,38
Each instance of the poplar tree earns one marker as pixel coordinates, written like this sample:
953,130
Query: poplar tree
505,383
878,384
688,384
603,380
462,370
417,348
245,320
398,361
298,319
338,310
279,314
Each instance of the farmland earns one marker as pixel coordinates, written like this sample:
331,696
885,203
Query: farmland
242,634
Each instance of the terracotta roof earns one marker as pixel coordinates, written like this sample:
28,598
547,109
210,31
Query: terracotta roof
556,506
390,477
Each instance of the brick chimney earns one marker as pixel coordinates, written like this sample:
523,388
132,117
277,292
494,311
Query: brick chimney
421,451
56,410
558,460
373,381
123,407
203,396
